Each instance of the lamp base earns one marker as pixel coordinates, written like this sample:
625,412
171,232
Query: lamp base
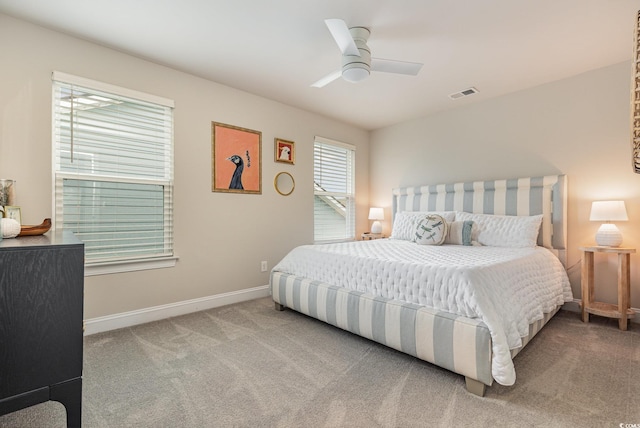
376,227
609,235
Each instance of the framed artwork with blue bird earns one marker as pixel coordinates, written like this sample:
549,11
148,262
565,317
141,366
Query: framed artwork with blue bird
236,159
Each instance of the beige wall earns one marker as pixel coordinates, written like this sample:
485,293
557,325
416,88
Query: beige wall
220,238
578,126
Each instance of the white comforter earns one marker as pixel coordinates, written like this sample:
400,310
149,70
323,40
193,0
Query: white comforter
507,288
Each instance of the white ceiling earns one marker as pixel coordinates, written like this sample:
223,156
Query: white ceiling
278,48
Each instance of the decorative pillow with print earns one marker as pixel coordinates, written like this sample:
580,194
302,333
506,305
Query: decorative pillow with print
405,222
431,230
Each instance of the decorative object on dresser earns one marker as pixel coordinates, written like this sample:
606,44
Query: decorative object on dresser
376,214
9,228
13,212
608,234
34,230
623,310
41,310
7,192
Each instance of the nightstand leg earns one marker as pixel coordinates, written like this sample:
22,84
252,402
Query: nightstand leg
587,283
623,289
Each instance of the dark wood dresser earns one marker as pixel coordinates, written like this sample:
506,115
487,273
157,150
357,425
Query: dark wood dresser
41,310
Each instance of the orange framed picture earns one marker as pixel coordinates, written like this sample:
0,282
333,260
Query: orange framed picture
236,159
284,151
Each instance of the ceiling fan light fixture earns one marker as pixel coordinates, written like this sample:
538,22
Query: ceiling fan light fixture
357,63
356,73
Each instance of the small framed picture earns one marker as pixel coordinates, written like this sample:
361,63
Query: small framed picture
13,213
284,151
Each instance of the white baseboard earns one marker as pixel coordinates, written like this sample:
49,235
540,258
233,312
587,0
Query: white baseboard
141,316
574,306
155,313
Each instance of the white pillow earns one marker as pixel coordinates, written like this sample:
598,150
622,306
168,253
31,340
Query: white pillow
504,230
460,232
405,222
431,230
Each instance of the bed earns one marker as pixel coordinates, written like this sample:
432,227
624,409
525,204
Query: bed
469,304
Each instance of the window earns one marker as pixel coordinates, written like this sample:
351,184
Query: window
334,190
113,173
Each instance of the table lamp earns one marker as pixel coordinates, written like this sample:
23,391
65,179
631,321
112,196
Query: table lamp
376,214
608,234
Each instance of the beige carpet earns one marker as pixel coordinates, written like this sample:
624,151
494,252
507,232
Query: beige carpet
247,365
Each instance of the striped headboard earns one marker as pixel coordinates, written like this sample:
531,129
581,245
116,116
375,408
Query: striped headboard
519,196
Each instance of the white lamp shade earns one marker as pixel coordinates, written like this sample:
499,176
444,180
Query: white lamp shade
608,234
376,214
608,211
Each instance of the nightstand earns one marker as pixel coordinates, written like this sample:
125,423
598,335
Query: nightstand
622,311
367,236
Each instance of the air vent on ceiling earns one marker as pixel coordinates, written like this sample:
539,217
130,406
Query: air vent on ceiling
464,93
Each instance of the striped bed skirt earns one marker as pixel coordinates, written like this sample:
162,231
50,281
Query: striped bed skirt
461,345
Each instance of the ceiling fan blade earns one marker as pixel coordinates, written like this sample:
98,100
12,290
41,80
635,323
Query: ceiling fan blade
399,67
340,32
327,79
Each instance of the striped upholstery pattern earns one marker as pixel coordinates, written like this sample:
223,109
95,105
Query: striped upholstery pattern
456,343
453,342
520,196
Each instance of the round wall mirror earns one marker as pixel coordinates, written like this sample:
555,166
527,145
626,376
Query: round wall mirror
284,183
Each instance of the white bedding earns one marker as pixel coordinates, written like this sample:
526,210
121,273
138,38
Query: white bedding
507,288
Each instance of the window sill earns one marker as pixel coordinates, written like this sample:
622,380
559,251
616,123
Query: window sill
335,241
129,266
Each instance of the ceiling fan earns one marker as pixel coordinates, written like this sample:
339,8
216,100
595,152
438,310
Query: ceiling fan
357,62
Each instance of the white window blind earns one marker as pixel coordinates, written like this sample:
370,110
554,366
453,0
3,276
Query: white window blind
113,166
334,190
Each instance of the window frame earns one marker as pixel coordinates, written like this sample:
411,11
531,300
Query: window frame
350,194
123,264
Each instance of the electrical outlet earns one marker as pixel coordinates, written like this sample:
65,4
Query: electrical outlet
263,266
